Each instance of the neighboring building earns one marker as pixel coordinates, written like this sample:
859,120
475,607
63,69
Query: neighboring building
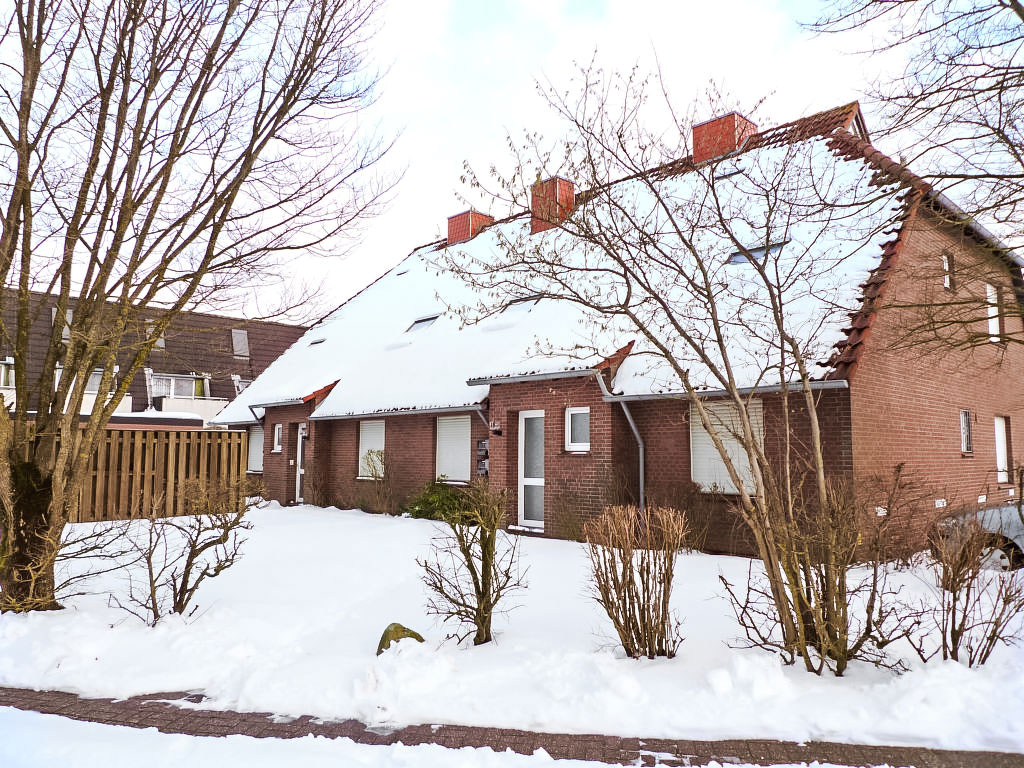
392,371
200,364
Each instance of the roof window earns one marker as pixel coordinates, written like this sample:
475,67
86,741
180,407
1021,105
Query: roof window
320,340
756,254
422,323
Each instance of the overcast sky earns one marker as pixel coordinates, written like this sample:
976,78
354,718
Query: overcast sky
461,75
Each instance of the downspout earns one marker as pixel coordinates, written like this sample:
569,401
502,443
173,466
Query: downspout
636,433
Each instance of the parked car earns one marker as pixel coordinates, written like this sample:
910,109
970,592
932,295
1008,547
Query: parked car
1003,525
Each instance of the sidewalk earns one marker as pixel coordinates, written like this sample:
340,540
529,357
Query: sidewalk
172,713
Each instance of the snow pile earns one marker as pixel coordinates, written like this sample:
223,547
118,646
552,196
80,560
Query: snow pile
293,629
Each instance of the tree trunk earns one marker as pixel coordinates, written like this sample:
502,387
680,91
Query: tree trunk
26,574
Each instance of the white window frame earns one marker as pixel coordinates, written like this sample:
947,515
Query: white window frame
278,438
966,431
707,468
7,373
457,469
191,377
948,282
995,324
569,444
240,343
95,372
254,459
366,437
1002,425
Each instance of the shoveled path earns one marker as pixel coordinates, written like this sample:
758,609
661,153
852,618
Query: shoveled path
177,713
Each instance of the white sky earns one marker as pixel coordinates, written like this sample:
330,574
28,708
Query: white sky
461,76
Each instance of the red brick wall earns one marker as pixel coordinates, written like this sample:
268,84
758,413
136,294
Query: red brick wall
906,402
332,458
279,468
664,425
575,485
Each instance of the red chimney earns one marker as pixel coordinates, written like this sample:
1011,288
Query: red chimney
466,225
551,202
720,136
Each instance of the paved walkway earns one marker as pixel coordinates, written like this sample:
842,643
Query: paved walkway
175,713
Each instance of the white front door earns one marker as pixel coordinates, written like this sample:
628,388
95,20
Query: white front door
531,469
300,463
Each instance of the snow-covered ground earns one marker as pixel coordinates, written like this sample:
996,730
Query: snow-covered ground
293,629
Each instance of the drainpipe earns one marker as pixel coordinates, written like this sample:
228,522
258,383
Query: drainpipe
636,433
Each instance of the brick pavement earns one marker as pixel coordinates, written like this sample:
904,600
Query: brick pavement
175,712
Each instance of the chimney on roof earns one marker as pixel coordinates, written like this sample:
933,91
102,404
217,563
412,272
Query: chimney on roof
720,136
466,225
551,202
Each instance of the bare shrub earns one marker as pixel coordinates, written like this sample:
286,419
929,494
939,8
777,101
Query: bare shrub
473,564
632,557
175,555
974,606
834,560
378,467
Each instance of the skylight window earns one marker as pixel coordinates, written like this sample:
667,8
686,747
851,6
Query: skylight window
422,323
321,340
756,254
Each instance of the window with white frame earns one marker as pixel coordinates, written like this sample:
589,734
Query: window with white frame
948,280
239,383
1003,449
756,254
240,342
995,320
577,429
421,323
278,438
65,334
255,458
966,431
707,467
93,383
7,372
189,387
454,459
371,447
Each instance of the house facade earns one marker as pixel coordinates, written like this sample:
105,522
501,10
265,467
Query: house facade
393,390
199,365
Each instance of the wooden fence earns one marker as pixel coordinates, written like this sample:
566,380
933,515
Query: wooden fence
132,470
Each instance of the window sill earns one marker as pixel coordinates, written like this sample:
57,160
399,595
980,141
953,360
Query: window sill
577,450
457,483
966,454
525,529
366,477
277,450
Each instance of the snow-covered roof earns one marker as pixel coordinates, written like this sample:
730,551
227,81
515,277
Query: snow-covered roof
383,353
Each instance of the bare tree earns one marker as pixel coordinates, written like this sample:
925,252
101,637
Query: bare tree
632,560
153,156
474,565
953,113
730,274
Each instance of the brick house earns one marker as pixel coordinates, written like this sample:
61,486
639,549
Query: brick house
395,370
199,365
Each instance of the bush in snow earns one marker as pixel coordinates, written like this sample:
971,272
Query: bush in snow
975,606
473,565
437,501
835,557
632,557
175,555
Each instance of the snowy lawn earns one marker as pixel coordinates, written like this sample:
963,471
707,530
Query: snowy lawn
293,629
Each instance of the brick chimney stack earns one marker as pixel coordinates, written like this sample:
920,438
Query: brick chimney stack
466,225
720,136
551,202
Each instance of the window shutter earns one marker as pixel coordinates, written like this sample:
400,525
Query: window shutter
454,455
707,468
255,449
371,438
